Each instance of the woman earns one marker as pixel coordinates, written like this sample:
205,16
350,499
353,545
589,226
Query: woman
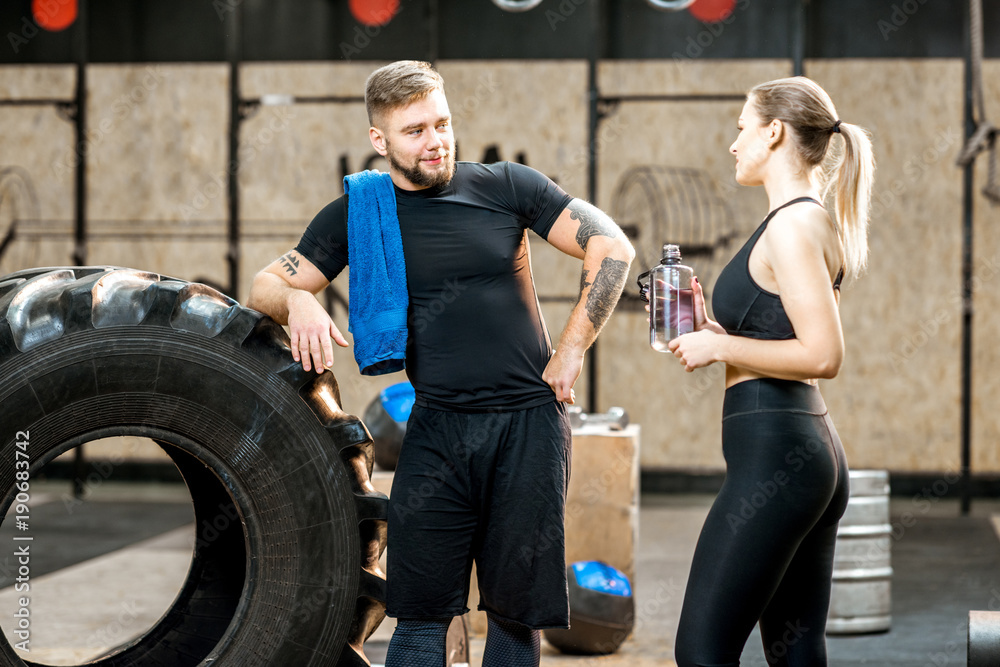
766,550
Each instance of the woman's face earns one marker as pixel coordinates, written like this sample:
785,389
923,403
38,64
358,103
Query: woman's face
751,147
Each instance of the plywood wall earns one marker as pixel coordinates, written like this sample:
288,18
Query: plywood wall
156,168
156,200
986,297
896,402
678,149
37,142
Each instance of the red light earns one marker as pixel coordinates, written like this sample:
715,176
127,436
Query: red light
712,11
374,12
54,15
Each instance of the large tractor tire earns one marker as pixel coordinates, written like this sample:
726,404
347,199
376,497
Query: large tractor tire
289,528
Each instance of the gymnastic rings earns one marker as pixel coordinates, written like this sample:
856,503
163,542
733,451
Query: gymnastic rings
671,5
517,5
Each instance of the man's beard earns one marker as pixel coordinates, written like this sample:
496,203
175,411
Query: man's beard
414,174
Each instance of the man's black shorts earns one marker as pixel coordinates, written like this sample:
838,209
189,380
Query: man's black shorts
485,486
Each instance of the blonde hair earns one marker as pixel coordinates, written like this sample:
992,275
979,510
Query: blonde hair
397,85
802,105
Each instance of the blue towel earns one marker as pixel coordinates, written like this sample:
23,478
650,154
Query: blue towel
377,292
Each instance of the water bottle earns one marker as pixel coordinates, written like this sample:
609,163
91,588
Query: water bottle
671,299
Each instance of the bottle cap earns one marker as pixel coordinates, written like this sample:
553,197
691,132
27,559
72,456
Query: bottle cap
672,252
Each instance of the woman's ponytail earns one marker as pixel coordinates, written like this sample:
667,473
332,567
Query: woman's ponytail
851,179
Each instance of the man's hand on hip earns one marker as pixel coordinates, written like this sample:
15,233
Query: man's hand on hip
562,372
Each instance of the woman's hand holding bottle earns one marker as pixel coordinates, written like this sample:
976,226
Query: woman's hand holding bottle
700,347
701,319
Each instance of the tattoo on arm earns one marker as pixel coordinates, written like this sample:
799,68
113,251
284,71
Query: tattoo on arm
593,222
583,282
605,290
290,262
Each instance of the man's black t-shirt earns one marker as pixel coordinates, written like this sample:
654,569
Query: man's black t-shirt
477,340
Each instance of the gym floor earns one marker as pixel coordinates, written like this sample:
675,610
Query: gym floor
104,570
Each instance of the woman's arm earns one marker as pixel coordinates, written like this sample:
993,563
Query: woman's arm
793,248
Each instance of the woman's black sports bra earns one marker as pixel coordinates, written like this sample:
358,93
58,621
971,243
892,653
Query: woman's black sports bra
741,306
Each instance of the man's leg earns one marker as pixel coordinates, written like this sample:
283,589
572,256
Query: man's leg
431,529
418,642
521,562
510,644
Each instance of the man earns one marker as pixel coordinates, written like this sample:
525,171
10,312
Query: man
485,462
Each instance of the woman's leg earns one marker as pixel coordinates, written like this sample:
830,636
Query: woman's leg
781,479
793,627
735,570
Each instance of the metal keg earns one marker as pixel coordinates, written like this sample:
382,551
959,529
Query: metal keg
457,642
861,599
984,639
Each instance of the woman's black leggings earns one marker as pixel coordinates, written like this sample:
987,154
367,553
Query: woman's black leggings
766,550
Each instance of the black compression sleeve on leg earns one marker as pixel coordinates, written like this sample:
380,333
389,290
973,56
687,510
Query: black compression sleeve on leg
510,644
418,642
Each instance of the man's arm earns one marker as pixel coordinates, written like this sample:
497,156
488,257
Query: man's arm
285,290
584,231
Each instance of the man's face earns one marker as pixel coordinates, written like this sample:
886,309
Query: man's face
418,143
